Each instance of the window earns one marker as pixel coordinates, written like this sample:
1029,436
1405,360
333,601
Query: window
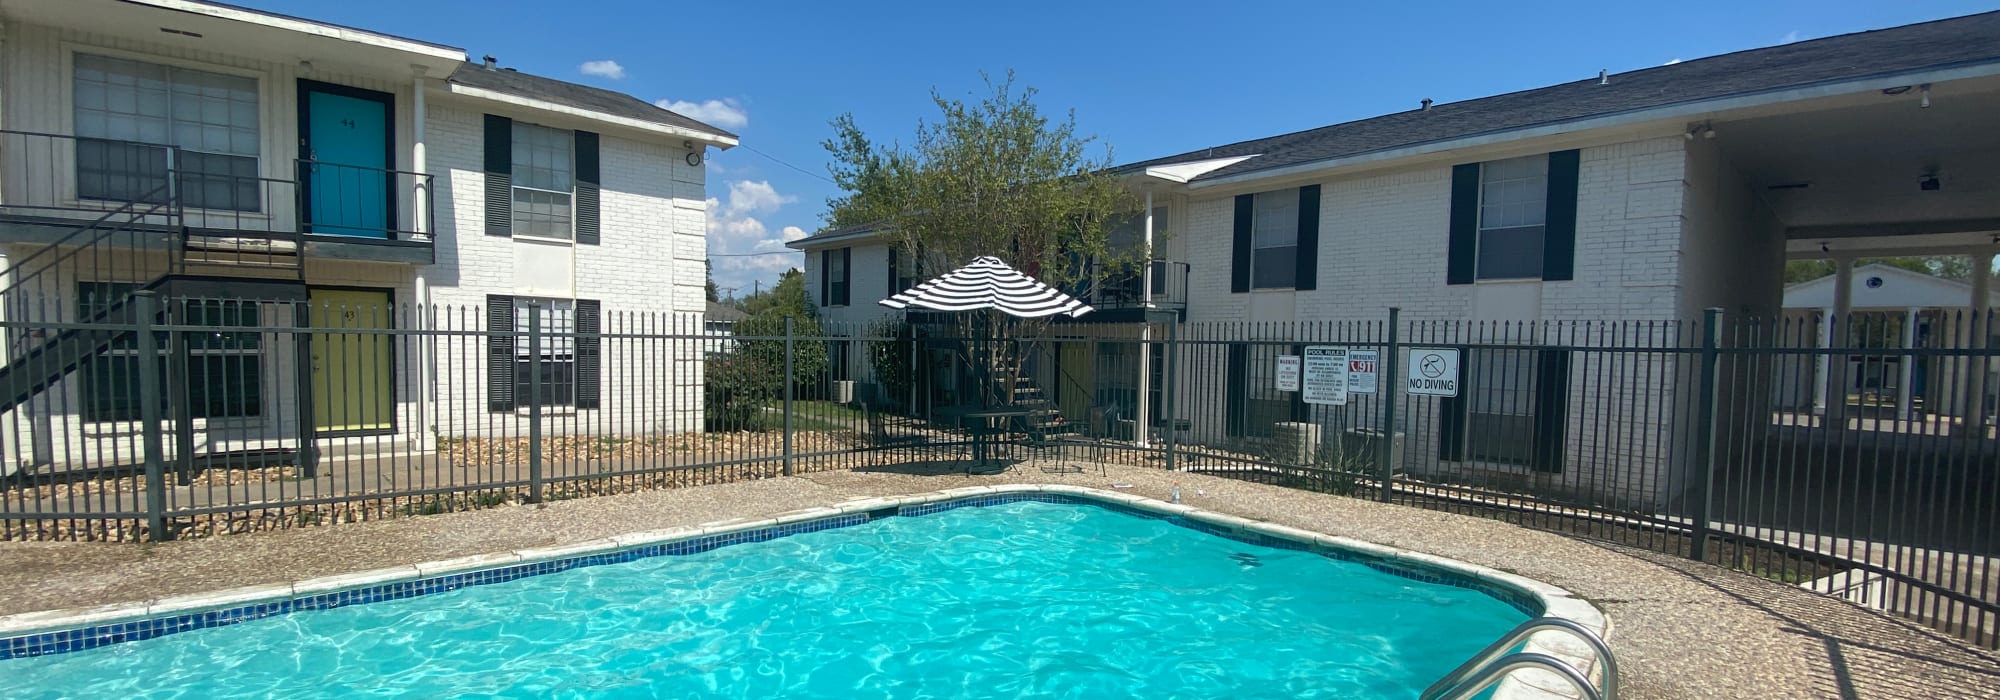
1129,232
224,368
837,277
543,181
558,351
1513,207
1501,391
128,113
1274,240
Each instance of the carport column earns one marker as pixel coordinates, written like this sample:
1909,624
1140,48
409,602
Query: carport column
1979,364
1909,365
1825,341
1839,338
1142,413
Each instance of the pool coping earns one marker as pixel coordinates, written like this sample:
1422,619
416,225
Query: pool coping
73,629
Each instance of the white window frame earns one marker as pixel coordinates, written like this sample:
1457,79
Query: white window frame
514,152
558,345
64,172
1289,202
1524,206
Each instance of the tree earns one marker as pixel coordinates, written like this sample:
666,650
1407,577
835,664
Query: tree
714,294
994,177
1953,267
740,384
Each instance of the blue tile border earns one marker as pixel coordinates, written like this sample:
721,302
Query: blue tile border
99,635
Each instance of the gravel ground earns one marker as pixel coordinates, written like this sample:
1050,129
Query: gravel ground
1680,629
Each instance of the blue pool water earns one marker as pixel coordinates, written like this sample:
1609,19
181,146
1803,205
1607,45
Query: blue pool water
1018,600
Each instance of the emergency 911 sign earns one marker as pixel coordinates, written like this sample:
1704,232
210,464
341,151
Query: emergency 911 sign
1433,372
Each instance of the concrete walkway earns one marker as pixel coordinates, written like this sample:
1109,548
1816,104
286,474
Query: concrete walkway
1681,630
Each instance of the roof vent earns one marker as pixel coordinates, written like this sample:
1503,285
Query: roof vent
1427,104
1603,77
492,62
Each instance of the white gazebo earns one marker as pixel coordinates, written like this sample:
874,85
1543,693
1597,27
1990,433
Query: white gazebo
1883,289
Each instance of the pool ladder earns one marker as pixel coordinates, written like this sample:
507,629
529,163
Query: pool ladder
1494,663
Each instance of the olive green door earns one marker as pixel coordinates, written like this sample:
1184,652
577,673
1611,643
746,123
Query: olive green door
352,368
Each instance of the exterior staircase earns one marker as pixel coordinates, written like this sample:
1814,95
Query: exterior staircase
66,301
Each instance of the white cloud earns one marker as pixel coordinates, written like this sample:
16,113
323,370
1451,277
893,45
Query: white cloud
606,68
754,197
734,228
1669,63
727,112
1790,37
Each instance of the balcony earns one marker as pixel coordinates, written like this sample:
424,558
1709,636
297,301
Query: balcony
52,183
1122,296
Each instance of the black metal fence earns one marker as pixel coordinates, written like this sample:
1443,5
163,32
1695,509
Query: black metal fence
1854,457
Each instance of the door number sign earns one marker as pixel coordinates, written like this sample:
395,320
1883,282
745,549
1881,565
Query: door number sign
1433,372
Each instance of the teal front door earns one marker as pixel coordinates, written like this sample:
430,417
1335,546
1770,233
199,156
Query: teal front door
344,148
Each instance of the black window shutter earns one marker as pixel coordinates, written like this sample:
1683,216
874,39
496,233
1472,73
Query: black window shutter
500,353
1308,255
589,352
1452,417
1234,400
1461,256
1559,230
826,277
1551,409
1239,270
586,188
846,276
499,176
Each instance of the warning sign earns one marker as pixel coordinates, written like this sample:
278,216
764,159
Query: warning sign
1325,380
1361,371
1288,373
1433,372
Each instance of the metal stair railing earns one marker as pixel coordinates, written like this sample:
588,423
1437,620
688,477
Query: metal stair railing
49,271
1493,663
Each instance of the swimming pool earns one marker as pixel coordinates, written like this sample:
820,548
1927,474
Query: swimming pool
1033,595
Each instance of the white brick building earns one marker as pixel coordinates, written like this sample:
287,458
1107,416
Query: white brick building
1642,196
277,163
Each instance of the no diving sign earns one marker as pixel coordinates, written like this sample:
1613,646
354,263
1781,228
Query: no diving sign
1433,372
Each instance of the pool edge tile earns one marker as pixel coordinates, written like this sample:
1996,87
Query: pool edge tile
218,599
27,623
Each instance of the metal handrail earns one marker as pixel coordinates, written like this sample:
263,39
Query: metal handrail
1489,675
1476,666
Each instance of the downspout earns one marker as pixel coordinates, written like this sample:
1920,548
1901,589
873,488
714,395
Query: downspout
1142,411
420,223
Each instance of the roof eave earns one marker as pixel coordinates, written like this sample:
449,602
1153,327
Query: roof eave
1680,110
816,242
306,26
721,141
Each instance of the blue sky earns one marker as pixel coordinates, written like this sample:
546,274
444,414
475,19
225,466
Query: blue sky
1149,79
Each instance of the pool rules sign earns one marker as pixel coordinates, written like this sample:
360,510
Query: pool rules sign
1433,372
1324,381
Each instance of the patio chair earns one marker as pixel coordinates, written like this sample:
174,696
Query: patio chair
1041,439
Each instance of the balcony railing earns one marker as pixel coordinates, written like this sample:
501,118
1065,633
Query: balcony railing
62,177
1127,289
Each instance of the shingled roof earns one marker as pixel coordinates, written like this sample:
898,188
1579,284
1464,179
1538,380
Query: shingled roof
1929,45
567,93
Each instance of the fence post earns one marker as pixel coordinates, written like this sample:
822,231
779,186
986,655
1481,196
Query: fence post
1170,422
1704,453
787,381
1388,382
146,305
535,402
308,427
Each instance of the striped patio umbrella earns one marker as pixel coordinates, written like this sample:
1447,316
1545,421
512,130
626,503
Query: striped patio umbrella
987,283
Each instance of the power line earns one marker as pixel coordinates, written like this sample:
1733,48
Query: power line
775,159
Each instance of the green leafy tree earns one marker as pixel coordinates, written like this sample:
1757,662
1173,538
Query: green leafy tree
1953,267
742,383
714,293
993,177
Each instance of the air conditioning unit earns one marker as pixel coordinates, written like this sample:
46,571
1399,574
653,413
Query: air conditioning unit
843,391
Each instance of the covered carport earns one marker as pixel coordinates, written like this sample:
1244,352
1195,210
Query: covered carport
1904,170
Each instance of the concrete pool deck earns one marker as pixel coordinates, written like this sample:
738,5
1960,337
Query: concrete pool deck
1681,629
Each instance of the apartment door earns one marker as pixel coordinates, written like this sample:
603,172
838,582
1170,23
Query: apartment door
345,153
352,369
